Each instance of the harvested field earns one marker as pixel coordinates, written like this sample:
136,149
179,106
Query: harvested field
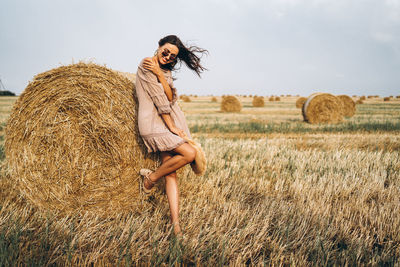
276,191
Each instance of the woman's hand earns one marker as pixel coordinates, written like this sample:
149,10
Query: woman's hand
178,132
151,64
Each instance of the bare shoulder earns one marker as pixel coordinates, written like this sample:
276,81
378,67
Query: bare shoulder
143,60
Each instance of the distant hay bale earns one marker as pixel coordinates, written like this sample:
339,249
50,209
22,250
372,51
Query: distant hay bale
362,98
370,96
185,98
72,141
348,105
277,98
398,96
386,98
214,99
258,101
359,101
271,98
322,108
230,104
300,102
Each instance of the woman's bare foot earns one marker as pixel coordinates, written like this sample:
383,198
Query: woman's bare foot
177,229
148,183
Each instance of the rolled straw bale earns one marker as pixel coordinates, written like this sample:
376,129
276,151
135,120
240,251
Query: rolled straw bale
386,98
230,104
128,75
359,101
72,141
398,96
277,98
362,97
271,98
258,101
322,108
214,99
300,102
348,105
186,99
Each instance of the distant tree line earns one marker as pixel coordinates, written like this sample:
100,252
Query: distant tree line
6,93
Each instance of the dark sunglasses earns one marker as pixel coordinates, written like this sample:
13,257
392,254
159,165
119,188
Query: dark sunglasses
166,52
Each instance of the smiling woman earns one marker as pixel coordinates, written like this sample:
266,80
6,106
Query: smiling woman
162,124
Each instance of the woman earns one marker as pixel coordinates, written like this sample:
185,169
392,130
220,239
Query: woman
162,124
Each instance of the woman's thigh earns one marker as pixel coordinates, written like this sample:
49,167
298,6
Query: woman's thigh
186,150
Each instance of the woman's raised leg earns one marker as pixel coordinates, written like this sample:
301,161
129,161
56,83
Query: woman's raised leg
181,156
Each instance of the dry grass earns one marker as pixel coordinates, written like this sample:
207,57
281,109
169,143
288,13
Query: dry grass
295,199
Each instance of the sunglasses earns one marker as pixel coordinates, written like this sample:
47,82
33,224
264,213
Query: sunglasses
167,53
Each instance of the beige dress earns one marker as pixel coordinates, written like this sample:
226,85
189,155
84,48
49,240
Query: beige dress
152,103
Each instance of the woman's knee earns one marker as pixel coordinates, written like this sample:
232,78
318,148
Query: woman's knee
190,154
187,151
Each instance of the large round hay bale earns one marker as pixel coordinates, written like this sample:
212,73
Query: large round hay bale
277,98
386,98
348,105
185,98
300,102
271,98
258,101
322,108
230,104
214,99
72,141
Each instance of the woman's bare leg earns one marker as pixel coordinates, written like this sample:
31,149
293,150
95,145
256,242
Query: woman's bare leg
171,187
183,155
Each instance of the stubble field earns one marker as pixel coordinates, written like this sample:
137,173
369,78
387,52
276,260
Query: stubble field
276,191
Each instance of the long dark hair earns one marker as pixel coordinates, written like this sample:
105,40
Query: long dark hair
185,54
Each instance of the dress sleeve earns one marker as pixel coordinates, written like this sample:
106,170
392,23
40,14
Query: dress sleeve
154,89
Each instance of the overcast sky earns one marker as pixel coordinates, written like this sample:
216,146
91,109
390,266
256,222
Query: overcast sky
261,47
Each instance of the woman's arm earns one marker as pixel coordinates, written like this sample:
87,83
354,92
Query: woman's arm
152,65
171,125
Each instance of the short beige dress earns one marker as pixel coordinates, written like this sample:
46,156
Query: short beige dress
152,103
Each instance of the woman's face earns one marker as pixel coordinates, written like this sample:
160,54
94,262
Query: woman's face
167,53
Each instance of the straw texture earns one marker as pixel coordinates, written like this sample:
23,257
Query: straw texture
348,105
72,141
300,102
199,165
322,108
230,103
258,101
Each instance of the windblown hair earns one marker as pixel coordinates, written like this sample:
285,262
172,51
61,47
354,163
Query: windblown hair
185,54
